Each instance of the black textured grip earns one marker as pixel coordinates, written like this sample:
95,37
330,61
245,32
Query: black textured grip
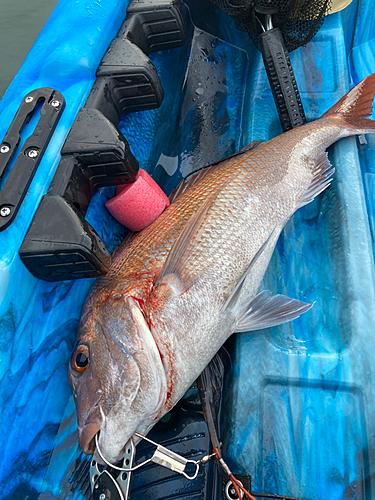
63,245
281,77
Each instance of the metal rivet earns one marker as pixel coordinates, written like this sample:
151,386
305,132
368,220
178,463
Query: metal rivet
55,103
4,149
230,492
29,98
5,211
33,153
102,496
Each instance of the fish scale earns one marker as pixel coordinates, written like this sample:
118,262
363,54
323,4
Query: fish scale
161,235
176,291
265,167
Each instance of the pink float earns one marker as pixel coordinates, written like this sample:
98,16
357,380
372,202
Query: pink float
138,204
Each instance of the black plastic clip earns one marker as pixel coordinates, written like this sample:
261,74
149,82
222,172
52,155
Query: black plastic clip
27,162
60,244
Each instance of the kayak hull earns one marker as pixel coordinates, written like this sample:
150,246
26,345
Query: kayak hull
298,414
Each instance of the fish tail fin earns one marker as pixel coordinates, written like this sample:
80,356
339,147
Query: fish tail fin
355,106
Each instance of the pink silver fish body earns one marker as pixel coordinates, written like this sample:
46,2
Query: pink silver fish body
177,290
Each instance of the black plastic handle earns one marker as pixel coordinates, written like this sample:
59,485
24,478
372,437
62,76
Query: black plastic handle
60,243
63,245
282,80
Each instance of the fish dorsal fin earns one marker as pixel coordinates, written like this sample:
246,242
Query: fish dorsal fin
267,310
322,177
189,181
233,297
181,249
197,176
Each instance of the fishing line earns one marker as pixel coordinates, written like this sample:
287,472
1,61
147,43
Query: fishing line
209,383
115,466
162,456
236,484
171,460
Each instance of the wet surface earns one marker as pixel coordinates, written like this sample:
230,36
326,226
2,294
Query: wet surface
299,408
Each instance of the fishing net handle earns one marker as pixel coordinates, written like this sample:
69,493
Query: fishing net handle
281,78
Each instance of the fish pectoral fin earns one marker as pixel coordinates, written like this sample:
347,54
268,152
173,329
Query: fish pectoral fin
322,177
175,264
268,309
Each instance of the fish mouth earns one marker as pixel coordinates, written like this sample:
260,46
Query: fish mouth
87,438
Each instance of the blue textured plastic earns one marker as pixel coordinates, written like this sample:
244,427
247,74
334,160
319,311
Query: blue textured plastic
301,398
38,319
300,416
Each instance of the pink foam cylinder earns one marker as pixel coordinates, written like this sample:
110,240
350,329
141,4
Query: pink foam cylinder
138,204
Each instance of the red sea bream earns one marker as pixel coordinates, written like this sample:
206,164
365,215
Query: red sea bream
177,290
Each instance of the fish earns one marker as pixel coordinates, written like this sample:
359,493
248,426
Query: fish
177,290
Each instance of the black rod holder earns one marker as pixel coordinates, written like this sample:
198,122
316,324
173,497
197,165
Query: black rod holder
126,81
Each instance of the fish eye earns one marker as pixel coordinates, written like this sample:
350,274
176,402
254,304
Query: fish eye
80,359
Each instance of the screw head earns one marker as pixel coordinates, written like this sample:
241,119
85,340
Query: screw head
102,496
33,153
55,103
230,492
5,211
4,149
29,98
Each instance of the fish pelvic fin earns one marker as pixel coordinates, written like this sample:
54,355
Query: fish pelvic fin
355,106
267,310
210,387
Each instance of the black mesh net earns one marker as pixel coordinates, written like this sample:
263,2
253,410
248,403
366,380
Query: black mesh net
298,20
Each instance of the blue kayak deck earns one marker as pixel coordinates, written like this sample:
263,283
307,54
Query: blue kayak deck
299,407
